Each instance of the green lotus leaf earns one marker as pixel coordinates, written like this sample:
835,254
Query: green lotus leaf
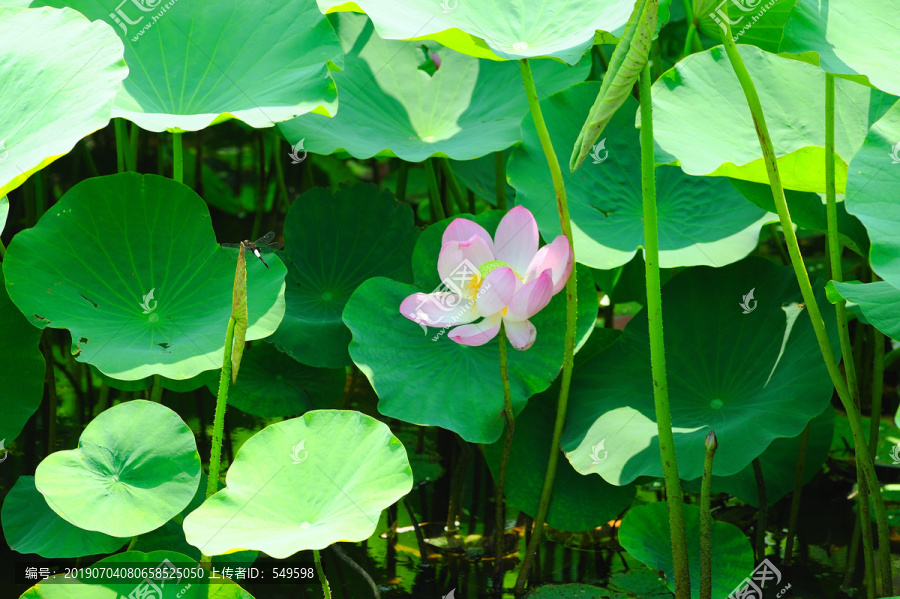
479,176
335,240
466,109
260,62
135,467
779,465
304,483
877,301
701,119
872,186
129,264
60,74
701,220
272,384
505,29
4,212
644,534
185,587
22,368
30,526
579,503
849,37
748,366
179,386
758,23
452,386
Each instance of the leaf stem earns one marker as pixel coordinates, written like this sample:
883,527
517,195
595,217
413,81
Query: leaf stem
437,209
571,311
762,508
326,589
674,496
453,185
402,178
121,144
500,178
177,158
706,520
809,298
504,457
795,498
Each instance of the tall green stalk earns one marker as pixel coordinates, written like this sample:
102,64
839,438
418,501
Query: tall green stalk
121,144
795,498
177,158
571,311
326,589
815,315
434,196
674,495
706,521
504,458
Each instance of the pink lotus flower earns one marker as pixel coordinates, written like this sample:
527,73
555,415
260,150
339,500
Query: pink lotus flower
507,279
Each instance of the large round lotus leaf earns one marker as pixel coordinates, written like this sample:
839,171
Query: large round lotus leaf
701,118
22,368
304,483
335,240
849,36
779,465
60,74
877,301
701,220
121,587
644,534
195,63
579,502
752,374
425,378
510,29
272,384
129,264
756,23
30,526
135,467
467,108
872,185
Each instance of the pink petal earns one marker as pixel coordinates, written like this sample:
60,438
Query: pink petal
449,260
496,291
476,251
462,229
557,256
437,309
516,240
531,299
478,333
520,334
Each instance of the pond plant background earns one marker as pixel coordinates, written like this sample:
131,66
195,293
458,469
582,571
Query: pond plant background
563,298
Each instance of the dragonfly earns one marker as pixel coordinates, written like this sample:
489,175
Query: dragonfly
262,245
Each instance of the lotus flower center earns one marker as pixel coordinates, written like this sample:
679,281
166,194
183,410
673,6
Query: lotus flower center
488,267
